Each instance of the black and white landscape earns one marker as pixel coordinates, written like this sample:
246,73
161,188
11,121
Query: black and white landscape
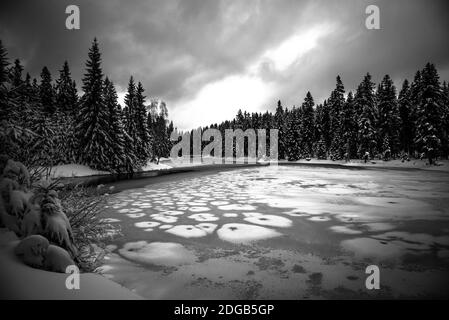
118,180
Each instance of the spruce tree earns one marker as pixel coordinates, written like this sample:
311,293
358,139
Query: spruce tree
366,127
120,161
336,102
445,119
66,94
16,74
349,127
280,124
389,122
3,64
406,131
92,119
130,116
47,93
293,135
429,111
307,126
143,147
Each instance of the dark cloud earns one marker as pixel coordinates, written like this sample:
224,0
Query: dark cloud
176,47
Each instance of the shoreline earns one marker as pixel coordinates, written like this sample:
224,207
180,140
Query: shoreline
143,178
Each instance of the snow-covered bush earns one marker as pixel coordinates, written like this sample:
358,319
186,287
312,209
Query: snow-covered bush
67,217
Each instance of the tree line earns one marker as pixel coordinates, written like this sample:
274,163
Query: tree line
373,122
47,123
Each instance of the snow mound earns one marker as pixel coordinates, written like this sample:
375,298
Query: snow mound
19,281
74,170
157,253
203,217
245,233
241,207
269,220
230,215
154,166
187,231
146,224
344,230
208,227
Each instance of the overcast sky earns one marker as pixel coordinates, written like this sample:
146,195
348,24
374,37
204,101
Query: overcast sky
208,58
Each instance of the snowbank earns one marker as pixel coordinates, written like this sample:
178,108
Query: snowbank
154,166
19,281
443,165
74,170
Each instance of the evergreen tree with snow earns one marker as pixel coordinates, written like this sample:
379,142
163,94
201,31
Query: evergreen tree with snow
365,103
143,147
293,135
307,126
406,131
16,75
280,124
429,111
121,156
389,121
3,64
336,103
445,120
47,93
349,127
92,119
66,93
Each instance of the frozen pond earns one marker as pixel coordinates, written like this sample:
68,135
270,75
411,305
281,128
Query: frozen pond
287,232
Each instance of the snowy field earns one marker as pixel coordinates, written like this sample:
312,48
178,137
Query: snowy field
286,232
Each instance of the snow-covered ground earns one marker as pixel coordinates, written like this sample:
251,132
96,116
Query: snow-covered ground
78,170
74,170
284,232
19,281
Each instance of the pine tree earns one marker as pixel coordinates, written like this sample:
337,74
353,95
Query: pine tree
47,93
3,64
406,132
349,127
389,121
293,135
66,93
336,102
415,100
16,74
445,119
429,124
366,129
143,147
130,116
280,124
307,126
120,161
92,124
